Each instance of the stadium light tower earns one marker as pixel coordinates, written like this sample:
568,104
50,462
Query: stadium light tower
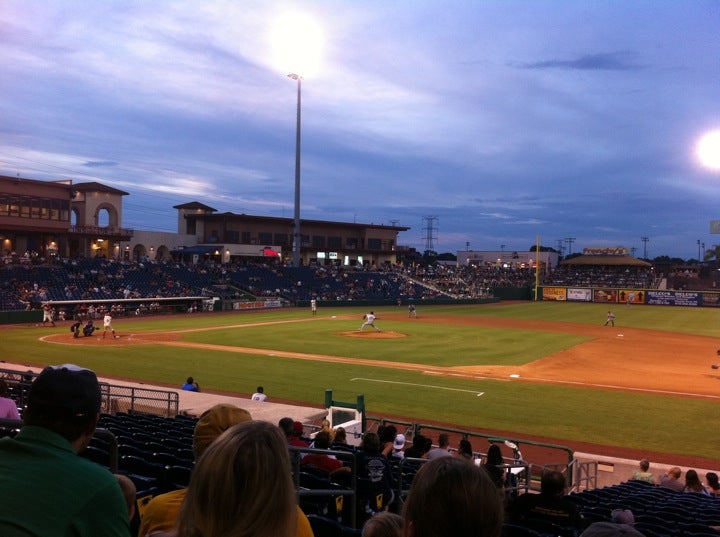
297,41
296,214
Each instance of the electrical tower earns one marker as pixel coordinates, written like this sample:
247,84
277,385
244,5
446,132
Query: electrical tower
561,247
430,229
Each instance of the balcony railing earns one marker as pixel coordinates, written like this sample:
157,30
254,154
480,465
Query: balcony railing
102,231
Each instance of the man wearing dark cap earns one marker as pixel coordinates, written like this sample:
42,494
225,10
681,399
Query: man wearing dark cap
46,489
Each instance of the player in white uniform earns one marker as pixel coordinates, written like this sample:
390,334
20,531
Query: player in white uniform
369,321
107,325
313,306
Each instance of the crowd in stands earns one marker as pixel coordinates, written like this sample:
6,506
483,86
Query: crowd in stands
225,473
27,286
622,277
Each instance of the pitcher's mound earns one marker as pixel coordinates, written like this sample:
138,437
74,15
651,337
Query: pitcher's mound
372,334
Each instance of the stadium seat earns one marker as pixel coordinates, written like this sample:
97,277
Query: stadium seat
326,527
99,455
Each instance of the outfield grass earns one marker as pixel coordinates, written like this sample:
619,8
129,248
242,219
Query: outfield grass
651,422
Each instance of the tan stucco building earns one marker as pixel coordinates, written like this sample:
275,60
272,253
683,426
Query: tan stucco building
61,218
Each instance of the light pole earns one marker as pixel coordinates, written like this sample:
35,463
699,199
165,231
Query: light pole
645,241
296,230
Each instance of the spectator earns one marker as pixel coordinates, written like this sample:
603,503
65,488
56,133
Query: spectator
450,496
8,407
296,435
643,474
325,426
443,449
242,485
384,524
129,493
46,489
465,450
398,446
190,385
693,483
259,395
161,512
286,426
671,480
387,434
551,504
494,466
325,463
340,439
373,466
418,450
620,526
713,486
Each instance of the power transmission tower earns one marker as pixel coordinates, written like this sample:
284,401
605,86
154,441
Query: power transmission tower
430,229
570,241
561,246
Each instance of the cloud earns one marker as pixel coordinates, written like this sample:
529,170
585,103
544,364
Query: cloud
611,61
99,163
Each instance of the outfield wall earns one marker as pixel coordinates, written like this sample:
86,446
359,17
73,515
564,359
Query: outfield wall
653,297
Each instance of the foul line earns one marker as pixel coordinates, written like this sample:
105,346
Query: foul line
620,388
477,394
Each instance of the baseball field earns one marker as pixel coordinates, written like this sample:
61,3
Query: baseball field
544,371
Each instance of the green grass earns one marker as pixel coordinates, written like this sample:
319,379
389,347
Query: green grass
650,422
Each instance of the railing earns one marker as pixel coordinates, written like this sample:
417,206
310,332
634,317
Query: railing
102,231
334,493
115,398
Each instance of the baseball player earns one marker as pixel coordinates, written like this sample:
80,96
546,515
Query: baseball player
48,314
107,325
369,321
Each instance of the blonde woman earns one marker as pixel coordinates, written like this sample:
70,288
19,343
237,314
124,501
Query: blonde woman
242,486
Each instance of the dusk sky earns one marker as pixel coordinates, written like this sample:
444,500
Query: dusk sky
500,120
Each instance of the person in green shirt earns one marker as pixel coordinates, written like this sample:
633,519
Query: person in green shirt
47,490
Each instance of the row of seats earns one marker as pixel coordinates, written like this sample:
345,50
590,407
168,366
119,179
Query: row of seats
658,511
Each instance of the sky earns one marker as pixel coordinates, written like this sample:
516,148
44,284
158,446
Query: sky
480,125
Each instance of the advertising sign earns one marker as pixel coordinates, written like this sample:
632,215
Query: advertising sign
579,295
673,298
555,293
605,295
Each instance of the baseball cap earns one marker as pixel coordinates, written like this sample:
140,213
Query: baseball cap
622,516
399,442
215,421
610,529
66,390
298,428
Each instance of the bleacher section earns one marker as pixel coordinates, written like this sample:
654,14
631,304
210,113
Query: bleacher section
26,287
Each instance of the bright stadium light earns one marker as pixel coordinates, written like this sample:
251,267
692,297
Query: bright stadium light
708,150
297,40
